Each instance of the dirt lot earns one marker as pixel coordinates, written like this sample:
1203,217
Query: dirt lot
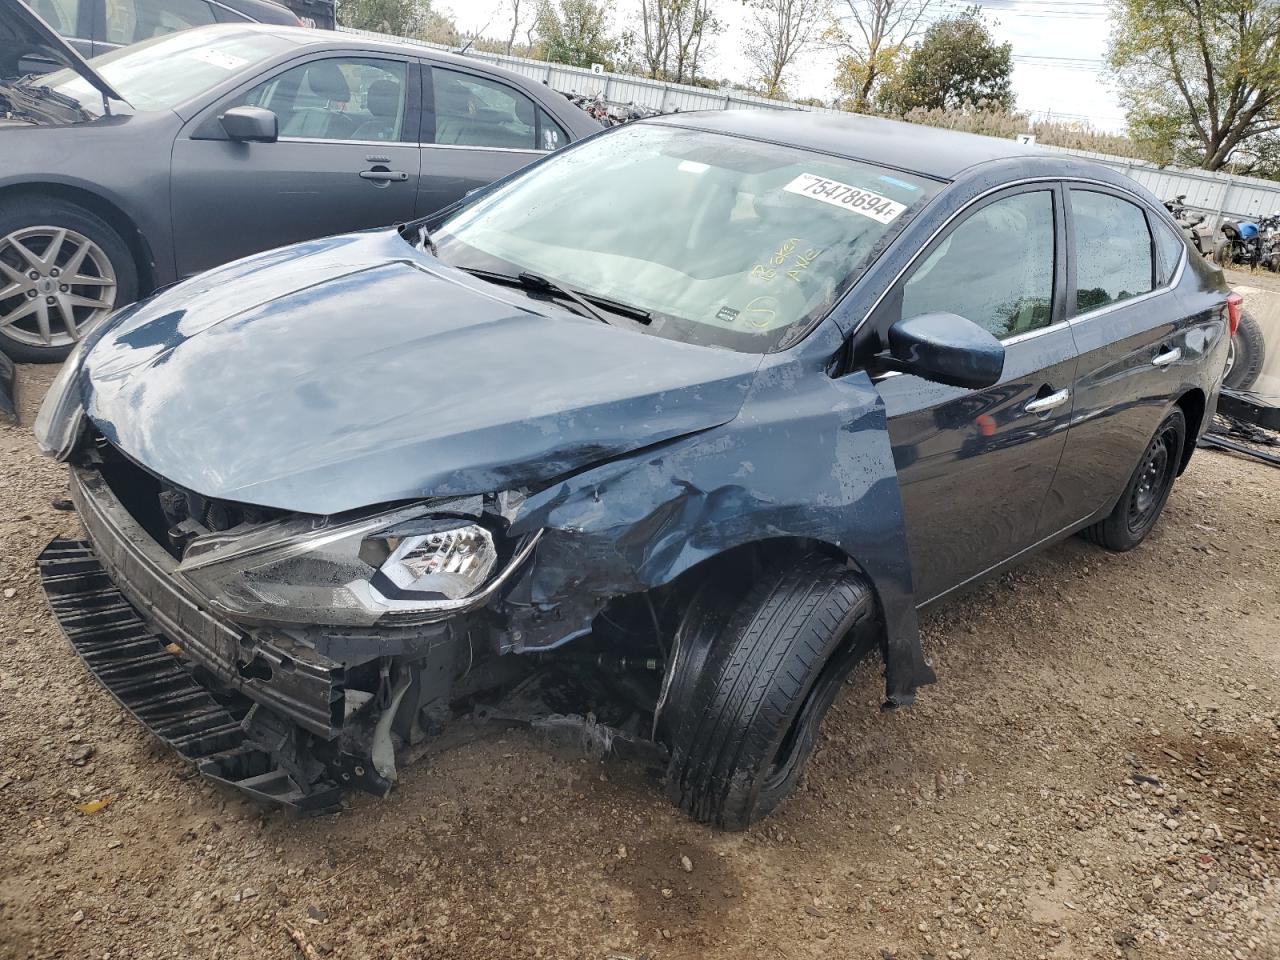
1097,774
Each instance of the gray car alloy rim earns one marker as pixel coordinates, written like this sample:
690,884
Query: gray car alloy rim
1231,357
54,283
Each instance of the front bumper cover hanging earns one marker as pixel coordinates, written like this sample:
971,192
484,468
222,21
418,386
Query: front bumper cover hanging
162,691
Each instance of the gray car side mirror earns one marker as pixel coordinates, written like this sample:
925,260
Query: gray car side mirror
251,124
945,348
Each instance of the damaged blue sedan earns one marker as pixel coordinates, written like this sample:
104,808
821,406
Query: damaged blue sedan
652,442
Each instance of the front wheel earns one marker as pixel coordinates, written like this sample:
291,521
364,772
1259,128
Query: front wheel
1144,497
749,720
62,269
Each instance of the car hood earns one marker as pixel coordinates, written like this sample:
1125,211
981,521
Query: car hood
23,32
352,371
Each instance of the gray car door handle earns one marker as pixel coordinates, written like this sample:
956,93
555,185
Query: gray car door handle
1168,357
1043,404
396,176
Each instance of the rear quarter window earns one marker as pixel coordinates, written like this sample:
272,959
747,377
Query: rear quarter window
1170,248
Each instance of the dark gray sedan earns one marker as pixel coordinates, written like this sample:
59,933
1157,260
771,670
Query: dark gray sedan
665,432
184,152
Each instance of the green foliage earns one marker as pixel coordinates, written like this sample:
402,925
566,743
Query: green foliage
957,64
400,17
403,18
873,38
1200,80
575,32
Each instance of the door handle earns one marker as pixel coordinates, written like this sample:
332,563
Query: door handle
384,176
1045,404
1168,357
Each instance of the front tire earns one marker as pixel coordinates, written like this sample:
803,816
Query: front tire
751,717
1148,489
62,269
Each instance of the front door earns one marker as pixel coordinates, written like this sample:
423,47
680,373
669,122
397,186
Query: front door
347,158
975,466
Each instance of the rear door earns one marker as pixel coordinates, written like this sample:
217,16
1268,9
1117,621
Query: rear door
975,466
1133,346
347,158
475,129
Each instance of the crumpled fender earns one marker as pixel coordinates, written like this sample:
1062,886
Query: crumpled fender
807,456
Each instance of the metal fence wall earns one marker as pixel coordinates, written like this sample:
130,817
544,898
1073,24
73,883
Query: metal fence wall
1215,194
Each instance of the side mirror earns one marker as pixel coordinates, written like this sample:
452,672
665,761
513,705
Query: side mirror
946,348
251,125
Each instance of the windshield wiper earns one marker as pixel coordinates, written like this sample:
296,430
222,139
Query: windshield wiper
589,302
34,93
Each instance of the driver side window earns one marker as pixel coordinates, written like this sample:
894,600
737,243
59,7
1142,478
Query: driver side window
342,98
995,268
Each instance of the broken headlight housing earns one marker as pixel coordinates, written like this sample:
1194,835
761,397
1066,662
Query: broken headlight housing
402,566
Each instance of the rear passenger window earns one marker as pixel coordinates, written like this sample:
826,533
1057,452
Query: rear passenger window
995,269
1113,250
477,112
1170,246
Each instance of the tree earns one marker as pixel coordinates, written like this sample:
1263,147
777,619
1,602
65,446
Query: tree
399,17
673,35
956,65
780,31
873,36
1200,79
515,25
575,32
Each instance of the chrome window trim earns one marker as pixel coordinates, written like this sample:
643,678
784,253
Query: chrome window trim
1032,334
942,227
467,146
363,143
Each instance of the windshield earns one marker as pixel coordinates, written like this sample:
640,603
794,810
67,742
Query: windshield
723,241
162,73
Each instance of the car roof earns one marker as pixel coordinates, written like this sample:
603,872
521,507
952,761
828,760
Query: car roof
931,151
307,37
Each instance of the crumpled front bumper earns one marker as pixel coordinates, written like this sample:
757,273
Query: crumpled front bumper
177,667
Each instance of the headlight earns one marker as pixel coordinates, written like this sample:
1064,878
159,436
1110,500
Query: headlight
403,565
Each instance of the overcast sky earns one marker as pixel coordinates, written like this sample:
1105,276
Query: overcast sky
1058,47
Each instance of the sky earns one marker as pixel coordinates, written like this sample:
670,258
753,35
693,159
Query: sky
1059,49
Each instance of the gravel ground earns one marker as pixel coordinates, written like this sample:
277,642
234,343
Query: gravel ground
1097,774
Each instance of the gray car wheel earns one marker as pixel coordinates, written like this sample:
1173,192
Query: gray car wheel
62,269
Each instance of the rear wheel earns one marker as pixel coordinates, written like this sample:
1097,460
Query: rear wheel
62,269
749,720
1144,497
1245,354
1222,252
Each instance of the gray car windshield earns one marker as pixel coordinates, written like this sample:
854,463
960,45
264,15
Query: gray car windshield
720,240
159,74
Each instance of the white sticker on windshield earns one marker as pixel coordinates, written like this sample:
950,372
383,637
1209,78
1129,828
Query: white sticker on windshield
847,197
227,61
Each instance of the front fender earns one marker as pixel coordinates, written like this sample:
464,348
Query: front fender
808,456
